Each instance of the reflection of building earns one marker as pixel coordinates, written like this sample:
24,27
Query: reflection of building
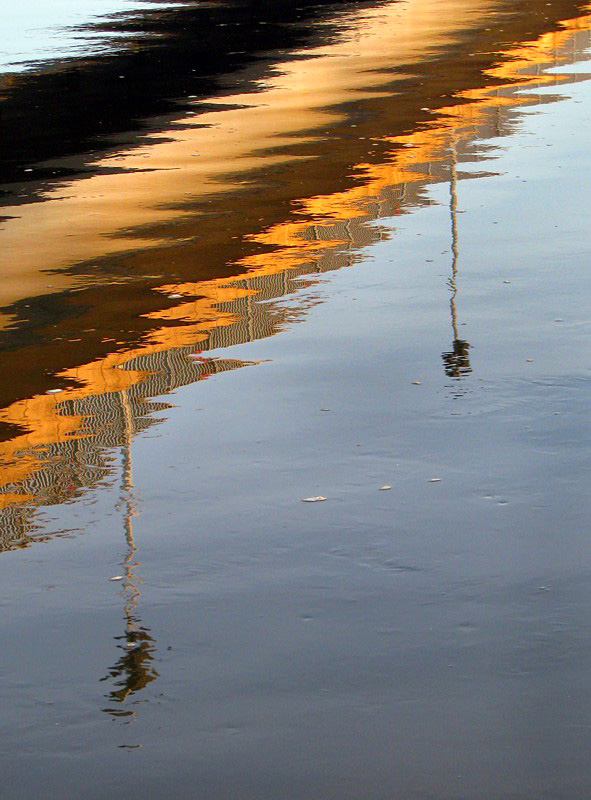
70,436
60,469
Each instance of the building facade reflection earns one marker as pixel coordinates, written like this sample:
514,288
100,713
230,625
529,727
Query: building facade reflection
67,440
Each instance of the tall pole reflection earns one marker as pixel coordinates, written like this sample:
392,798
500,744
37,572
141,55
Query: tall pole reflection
456,362
133,671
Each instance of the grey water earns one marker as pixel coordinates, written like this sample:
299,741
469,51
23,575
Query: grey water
187,627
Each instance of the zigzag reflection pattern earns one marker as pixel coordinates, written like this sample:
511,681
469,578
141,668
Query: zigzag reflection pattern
337,230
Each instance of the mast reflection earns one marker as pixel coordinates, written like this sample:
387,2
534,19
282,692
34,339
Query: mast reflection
134,670
456,362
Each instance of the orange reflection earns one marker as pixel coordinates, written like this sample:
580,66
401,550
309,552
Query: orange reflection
323,233
202,155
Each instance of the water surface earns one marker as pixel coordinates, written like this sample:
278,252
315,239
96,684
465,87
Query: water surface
386,286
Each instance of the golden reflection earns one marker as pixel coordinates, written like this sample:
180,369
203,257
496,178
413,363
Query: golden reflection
211,154
68,438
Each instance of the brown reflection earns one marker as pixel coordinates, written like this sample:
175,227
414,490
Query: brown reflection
133,670
456,362
205,156
65,441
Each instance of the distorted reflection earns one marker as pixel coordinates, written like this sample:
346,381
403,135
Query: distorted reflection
133,670
218,278
457,361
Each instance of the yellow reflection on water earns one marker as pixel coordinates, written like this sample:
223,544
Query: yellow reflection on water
202,155
60,449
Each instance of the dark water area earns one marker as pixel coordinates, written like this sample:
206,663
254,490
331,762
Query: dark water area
332,252
216,235
173,52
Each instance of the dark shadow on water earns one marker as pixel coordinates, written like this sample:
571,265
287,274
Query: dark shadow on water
167,55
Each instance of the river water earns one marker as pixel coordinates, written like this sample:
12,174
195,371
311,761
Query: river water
350,260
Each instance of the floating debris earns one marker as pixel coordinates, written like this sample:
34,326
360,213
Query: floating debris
129,746
174,296
416,383
506,281
116,578
385,488
434,480
317,499
54,391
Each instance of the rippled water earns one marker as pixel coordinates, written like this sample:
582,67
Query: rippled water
362,263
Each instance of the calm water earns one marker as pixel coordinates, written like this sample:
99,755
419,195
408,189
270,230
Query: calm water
361,262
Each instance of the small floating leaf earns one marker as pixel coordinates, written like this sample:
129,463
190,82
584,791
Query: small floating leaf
317,499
